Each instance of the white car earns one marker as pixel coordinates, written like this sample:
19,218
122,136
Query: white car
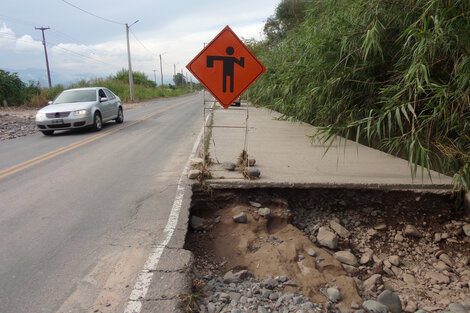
78,108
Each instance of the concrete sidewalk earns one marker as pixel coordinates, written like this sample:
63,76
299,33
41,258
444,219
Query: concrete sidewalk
286,157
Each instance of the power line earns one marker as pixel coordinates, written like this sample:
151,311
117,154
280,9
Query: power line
104,19
135,37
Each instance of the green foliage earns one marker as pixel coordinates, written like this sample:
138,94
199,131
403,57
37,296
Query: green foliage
14,91
138,78
179,80
393,74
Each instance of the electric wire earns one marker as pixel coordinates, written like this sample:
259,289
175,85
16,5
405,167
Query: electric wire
92,14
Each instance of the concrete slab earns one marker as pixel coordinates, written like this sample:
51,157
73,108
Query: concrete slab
175,260
286,156
160,306
168,285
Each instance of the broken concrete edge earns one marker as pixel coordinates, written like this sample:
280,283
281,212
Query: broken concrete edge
239,184
180,264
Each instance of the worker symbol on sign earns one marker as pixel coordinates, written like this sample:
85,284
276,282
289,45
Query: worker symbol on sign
228,66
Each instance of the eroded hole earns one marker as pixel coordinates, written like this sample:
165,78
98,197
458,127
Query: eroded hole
292,270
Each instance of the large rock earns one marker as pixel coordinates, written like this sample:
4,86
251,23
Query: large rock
437,278
456,308
412,231
339,229
196,223
193,174
372,306
390,300
229,166
466,229
370,284
240,218
333,294
346,257
264,212
327,238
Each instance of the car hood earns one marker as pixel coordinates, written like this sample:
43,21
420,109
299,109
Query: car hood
66,107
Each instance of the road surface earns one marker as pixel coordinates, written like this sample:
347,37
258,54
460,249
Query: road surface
81,210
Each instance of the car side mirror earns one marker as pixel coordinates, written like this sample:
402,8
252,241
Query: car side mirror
103,99
49,102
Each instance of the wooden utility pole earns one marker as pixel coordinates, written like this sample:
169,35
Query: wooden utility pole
161,74
131,78
42,29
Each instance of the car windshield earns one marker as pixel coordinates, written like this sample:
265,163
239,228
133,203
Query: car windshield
71,96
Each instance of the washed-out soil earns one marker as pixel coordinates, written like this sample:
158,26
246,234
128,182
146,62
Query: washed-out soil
279,245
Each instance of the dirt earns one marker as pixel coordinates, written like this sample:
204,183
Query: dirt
270,247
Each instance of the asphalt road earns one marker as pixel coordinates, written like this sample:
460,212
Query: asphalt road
79,211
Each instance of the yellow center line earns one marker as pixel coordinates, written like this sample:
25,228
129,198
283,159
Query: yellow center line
27,164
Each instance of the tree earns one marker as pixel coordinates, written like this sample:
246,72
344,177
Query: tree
179,80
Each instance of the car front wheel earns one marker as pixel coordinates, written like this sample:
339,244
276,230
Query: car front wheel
120,116
97,122
47,132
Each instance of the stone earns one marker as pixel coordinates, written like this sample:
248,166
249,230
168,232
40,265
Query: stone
456,308
243,274
262,309
327,238
437,277
399,237
240,218
193,174
446,259
339,229
466,229
412,231
251,162
311,252
390,300
196,223
253,172
211,307
333,294
381,226
372,306
411,306
255,204
409,279
366,258
196,161
269,283
217,219
371,283
351,270
264,212
441,266
395,260
229,166
346,257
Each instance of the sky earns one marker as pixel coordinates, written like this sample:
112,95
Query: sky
92,44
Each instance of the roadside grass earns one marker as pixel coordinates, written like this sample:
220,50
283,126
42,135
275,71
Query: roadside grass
120,88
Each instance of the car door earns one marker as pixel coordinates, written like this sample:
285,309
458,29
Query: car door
113,103
104,105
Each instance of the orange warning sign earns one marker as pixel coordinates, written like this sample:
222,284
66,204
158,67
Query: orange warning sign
226,67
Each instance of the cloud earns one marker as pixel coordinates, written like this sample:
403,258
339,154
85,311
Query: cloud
26,44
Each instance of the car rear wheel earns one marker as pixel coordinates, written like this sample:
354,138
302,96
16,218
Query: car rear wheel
47,132
120,116
97,122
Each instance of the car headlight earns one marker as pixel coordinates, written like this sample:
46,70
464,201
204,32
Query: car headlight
80,112
40,116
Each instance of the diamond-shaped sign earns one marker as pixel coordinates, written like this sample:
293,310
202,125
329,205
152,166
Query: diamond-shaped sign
226,67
